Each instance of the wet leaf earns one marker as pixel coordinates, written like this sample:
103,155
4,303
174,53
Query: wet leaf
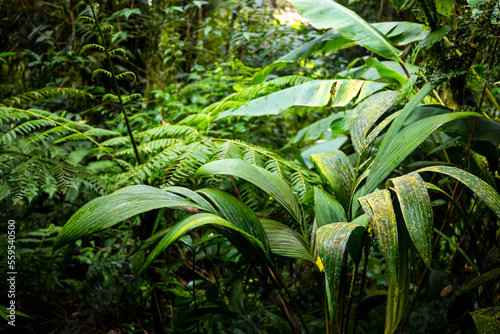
327,209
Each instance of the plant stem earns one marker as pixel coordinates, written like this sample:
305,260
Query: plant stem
115,82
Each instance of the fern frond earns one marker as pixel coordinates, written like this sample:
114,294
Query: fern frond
117,141
151,147
85,18
44,93
109,97
92,46
26,128
127,98
57,131
105,27
172,131
122,75
101,71
4,190
114,51
195,155
10,115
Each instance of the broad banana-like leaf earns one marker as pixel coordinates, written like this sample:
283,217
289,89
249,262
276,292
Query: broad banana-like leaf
482,189
190,223
387,72
336,168
327,209
378,207
314,93
417,212
332,242
285,241
265,180
487,320
370,88
236,212
325,14
106,211
403,143
366,114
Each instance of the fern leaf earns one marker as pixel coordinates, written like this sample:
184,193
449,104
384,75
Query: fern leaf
122,75
92,46
101,71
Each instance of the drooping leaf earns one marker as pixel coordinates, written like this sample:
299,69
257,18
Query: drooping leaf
190,223
236,212
327,208
417,212
322,147
378,207
482,189
312,94
387,72
325,14
315,130
366,114
333,242
285,241
345,91
192,195
336,168
487,320
265,180
403,143
106,211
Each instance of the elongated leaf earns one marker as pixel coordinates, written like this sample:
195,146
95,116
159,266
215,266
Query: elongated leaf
324,14
487,320
321,147
190,223
336,168
387,72
312,94
345,91
367,113
327,209
482,189
404,143
378,207
333,241
285,241
236,212
417,212
315,130
106,211
192,195
267,181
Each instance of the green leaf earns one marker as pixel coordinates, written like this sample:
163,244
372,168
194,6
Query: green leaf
417,212
189,224
444,7
265,180
321,146
403,143
366,114
482,189
192,195
324,14
236,212
327,209
106,211
345,91
337,170
332,242
285,241
386,72
316,129
378,207
487,320
312,94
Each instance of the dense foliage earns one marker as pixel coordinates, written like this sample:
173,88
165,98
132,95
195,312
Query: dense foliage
250,166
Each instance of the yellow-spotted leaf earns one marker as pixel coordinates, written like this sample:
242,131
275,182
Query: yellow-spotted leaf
417,212
482,189
333,242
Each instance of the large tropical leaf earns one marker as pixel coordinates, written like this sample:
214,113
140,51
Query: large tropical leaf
106,211
336,168
482,189
189,224
315,93
285,241
403,143
325,14
265,180
236,212
333,243
366,114
378,207
417,212
327,208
